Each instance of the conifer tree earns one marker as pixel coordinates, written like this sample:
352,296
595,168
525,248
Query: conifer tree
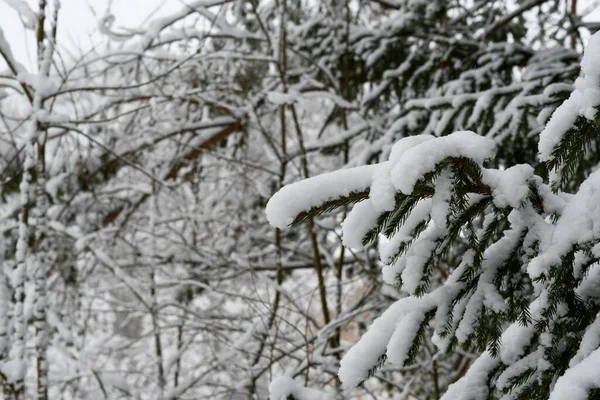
520,252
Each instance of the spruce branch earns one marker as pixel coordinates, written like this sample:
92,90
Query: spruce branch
332,205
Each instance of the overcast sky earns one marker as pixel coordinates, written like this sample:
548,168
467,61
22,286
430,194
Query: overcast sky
77,26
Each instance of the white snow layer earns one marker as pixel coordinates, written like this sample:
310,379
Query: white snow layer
359,221
474,384
292,199
423,157
284,386
403,337
389,248
509,186
391,334
355,366
578,224
576,382
589,342
582,102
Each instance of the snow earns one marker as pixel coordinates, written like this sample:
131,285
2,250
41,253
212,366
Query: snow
516,337
403,337
25,12
292,199
577,380
104,27
441,200
357,362
519,367
389,248
556,89
284,386
364,355
382,191
588,288
509,186
361,219
589,342
390,272
281,98
473,385
14,370
582,102
418,254
423,157
4,305
7,53
443,343
578,224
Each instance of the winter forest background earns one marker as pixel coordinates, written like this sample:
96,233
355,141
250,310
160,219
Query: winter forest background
451,251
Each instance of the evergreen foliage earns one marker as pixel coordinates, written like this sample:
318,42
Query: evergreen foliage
520,254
